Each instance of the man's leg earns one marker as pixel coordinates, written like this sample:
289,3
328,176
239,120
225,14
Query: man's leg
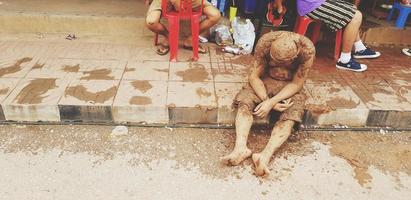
279,135
153,24
243,123
213,15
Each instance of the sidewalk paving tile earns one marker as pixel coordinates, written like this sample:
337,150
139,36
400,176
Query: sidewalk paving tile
14,67
333,103
185,55
190,72
7,85
147,54
141,101
147,70
88,100
226,93
192,103
35,100
229,72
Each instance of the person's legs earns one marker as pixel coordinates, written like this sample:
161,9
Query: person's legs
351,33
279,135
154,25
243,123
212,16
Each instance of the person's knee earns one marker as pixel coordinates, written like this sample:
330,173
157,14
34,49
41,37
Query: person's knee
151,21
244,108
357,17
214,15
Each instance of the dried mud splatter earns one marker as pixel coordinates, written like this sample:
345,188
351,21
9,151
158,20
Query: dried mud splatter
388,153
16,67
201,92
339,102
143,86
140,100
196,73
129,69
98,74
34,91
4,91
71,68
162,70
81,93
38,66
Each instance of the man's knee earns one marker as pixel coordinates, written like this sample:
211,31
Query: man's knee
213,14
284,125
244,108
152,19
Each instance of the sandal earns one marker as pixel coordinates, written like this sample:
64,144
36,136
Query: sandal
162,49
201,49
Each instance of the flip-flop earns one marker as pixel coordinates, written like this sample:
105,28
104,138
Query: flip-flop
201,49
165,48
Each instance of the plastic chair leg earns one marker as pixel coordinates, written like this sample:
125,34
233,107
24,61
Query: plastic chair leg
391,14
195,30
402,19
302,27
316,32
174,28
338,40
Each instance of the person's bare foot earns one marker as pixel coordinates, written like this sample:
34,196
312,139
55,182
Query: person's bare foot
236,157
261,165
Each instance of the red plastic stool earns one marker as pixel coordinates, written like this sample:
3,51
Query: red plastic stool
184,12
301,27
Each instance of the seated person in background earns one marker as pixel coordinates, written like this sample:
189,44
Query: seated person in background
153,22
283,60
337,15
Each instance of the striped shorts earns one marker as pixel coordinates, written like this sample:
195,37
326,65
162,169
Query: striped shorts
335,14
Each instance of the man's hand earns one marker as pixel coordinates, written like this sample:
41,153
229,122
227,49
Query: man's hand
263,108
147,2
283,105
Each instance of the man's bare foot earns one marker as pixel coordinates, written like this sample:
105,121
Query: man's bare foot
236,157
261,165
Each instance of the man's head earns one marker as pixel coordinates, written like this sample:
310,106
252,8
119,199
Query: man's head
283,51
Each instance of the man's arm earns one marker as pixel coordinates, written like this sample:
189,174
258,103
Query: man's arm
296,84
256,82
261,49
307,55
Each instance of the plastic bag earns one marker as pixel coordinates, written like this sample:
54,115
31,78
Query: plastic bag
243,34
222,34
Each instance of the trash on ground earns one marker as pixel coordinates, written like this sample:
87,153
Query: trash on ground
119,131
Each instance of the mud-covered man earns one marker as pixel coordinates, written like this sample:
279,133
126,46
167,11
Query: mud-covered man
283,60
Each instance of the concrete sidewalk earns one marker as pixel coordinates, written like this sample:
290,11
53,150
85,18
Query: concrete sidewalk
66,81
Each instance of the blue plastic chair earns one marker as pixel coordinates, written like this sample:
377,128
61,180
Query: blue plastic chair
402,16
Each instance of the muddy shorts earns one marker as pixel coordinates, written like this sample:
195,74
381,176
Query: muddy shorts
156,5
248,97
335,14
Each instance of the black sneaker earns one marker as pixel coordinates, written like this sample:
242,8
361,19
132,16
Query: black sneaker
366,53
352,65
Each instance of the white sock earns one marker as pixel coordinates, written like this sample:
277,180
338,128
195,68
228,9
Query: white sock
359,46
345,57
